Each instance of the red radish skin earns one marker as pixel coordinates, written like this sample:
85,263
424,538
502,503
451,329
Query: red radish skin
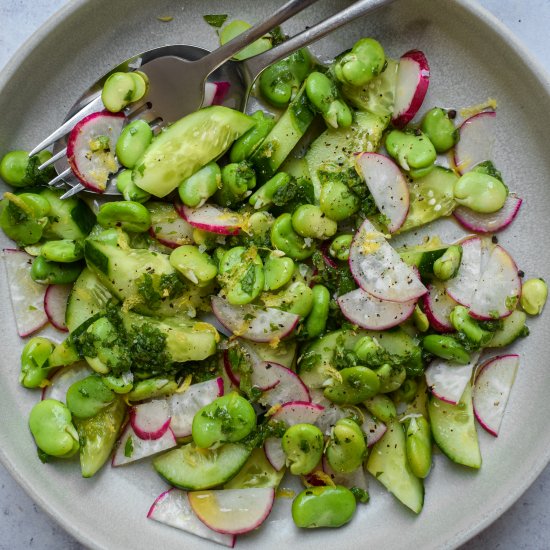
174,236
492,388
289,388
475,145
140,448
260,376
55,305
368,312
379,270
489,223
372,428
326,256
438,306
27,296
215,92
253,322
63,378
233,511
150,420
413,79
387,185
211,218
104,123
172,508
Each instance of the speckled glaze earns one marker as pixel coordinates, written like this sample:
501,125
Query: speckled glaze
472,58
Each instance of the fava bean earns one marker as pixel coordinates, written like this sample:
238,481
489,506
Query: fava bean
13,168
193,264
382,407
152,388
51,426
227,419
446,347
236,27
245,146
309,220
129,215
412,151
440,129
24,217
241,274
391,377
406,392
198,188
130,191
324,96
54,273
303,445
347,448
323,507
461,321
317,319
119,384
360,65
133,141
238,178
339,247
420,319
63,251
284,238
34,362
86,397
118,91
337,201
278,271
358,384
446,266
264,195
533,296
480,192
418,446
368,350
297,298
259,225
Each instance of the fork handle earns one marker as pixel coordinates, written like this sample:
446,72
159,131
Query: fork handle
255,65
224,53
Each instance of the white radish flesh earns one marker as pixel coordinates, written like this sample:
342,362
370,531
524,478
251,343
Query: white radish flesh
438,306
368,312
55,305
477,136
168,227
233,511
253,322
372,428
357,478
27,296
492,389
387,185
63,379
462,287
150,420
211,218
489,223
131,447
379,270
289,387
215,92
172,508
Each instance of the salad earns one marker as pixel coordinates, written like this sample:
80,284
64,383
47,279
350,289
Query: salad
244,313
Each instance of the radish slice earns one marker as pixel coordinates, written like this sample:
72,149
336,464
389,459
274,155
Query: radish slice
489,223
215,92
263,376
326,256
182,407
168,227
462,287
131,447
413,79
438,306
233,511
492,389
289,387
447,381
27,296
253,322
211,218
210,318
357,478
150,420
93,168
172,508
387,185
379,270
499,287
373,428
297,412
55,305
477,135
63,379
368,312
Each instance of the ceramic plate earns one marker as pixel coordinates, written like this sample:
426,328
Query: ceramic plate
472,58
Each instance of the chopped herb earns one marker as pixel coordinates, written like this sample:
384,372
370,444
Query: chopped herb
129,447
249,280
215,20
165,18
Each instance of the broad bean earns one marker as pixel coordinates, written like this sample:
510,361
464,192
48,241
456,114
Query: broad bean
130,191
236,27
63,251
308,220
227,419
317,319
241,274
13,168
480,192
446,347
440,129
446,266
264,195
245,146
303,446
337,201
382,407
198,188
420,319
35,362
51,426
368,350
259,225
418,446
406,392
391,377
278,271
129,215
323,507
297,298
132,142
412,151
324,96
54,273
534,294
86,397
152,388
347,448
360,65
193,264
461,321
238,178
358,384
24,217
119,384
339,247
284,238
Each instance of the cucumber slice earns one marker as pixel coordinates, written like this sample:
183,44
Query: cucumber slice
454,429
423,260
118,91
192,468
513,328
388,464
256,473
431,198
64,354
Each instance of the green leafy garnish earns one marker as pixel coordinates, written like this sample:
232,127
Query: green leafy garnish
215,20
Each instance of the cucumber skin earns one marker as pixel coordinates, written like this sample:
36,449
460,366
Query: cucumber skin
388,463
173,467
514,328
457,440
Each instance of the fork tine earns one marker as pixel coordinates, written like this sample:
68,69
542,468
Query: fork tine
60,177
92,107
73,191
53,159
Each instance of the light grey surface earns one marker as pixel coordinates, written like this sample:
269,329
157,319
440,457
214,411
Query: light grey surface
526,525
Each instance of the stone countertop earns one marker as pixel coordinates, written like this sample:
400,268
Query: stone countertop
524,526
